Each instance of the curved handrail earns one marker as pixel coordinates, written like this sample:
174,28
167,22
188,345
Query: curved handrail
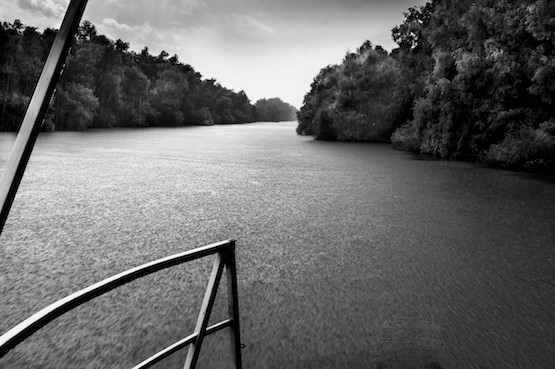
32,324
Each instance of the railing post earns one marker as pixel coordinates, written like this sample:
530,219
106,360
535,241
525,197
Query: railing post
233,300
205,310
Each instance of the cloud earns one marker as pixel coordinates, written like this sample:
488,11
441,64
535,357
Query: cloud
161,14
137,35
112,24
251,27
49,8
142,35
245,27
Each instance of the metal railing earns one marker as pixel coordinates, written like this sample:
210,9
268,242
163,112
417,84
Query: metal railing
224,259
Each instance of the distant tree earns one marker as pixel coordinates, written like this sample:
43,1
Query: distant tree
75,107
274,110
14,106
167,96
242,110
86,32
31,63
20,65
356,100
162,57
110,97
414,57
135,85
120,87
224,105
410,35
47,39
83,64
174,60
121,46
147,64
489,93
319,97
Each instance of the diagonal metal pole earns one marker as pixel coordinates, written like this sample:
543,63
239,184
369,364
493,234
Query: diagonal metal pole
23,146
205,310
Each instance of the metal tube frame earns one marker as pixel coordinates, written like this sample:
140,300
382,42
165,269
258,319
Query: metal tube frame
225,258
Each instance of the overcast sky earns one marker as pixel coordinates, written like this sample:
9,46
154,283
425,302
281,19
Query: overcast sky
268,48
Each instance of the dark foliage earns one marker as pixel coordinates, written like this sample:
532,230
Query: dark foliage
489,93
355,101
105,85
470,80
274,110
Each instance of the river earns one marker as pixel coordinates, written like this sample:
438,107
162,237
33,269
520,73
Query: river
350,255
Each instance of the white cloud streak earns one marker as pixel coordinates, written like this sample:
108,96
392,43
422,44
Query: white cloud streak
49,8
142,35
248,27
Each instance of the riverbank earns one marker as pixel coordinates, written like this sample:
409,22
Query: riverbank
528,150
532,153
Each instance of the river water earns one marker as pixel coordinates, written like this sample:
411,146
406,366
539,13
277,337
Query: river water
349,255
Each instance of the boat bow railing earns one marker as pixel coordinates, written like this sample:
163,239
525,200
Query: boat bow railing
224,259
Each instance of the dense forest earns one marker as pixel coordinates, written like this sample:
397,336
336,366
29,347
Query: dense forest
469,81
104,84
274,110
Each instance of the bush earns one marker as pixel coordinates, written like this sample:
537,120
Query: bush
406,138
206,117
12,113
526,149
323,123
358,100
350,125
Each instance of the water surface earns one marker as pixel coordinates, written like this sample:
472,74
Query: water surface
350,254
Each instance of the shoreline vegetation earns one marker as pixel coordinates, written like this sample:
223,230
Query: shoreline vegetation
469,81
105,85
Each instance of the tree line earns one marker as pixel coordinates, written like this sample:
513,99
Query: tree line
105,84
274,110
469,81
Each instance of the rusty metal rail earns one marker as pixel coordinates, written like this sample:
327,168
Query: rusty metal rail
225,259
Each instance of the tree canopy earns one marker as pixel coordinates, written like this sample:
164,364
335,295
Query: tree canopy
104,85
354,101
274,110
469,80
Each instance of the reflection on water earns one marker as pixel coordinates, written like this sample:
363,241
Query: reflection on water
348,252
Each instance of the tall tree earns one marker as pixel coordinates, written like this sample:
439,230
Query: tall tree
167,97
135,86
123,88
354,101
274,110
491,85
75,107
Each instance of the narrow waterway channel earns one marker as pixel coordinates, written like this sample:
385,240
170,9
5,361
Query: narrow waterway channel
350,255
